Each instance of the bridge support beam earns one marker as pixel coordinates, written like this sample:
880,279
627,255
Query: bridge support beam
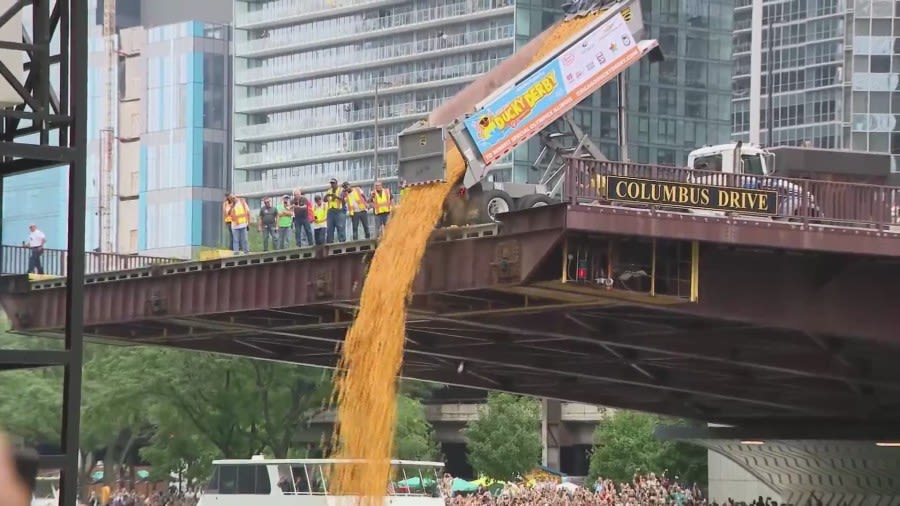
551,427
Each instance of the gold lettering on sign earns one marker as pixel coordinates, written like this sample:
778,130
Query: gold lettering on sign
690,195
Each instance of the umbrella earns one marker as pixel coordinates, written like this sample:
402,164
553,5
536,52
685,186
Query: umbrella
142,474
459,485
97,476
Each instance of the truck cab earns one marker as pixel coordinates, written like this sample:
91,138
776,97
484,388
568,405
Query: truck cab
757,164
733,158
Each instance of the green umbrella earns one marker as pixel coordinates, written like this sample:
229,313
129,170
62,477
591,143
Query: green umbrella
459,485
97,476
142,474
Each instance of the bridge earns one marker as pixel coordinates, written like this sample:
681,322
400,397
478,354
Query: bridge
623,295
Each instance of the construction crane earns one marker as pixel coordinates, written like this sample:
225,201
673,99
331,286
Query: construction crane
107,177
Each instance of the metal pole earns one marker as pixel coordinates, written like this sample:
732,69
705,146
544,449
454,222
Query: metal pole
770,85
623,120
756,21
375,174
74,339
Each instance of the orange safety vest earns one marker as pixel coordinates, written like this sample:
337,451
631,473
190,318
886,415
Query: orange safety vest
382,202
355,202
320,213
240,215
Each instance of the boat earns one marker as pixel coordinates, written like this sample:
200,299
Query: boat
46,491
304,482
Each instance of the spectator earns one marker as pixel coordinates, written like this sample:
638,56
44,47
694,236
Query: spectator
36,242
267,224
335,199
357,208
229,241
300,206
382,201
239,212
285,220
320,220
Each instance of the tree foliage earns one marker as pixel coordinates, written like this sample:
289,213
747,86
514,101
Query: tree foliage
625,444
505,440
414,435
184,409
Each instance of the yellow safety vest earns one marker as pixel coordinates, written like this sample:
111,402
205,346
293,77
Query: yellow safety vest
240,215
320,213
403,192
334,203
355,202
382,202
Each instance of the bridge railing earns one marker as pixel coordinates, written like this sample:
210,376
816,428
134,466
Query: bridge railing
807,200
15,260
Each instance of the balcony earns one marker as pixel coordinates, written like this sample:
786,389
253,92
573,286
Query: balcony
365,89
355,61
408,112
293,12
369,29
309,182
302,156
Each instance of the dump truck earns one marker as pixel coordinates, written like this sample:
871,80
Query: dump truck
518,100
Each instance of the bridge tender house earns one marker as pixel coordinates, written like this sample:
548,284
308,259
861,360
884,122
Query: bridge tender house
720,198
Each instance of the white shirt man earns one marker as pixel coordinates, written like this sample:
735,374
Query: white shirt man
36,241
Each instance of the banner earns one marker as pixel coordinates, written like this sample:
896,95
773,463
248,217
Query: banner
551,91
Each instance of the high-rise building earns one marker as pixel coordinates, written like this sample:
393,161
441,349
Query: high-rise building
310,75
194,52
834,68
173,137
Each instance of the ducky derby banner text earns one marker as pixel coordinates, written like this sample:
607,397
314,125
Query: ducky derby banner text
719,198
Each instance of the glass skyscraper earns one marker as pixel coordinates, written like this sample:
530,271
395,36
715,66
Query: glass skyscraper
835,68
311,74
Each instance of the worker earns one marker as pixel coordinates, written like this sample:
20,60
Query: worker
229,238
336,200
237,209
285,221
358,210
382,201
403,192
300,205
320,220
267,225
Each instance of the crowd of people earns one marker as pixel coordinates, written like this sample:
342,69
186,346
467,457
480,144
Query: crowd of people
298,221
643,490
125,497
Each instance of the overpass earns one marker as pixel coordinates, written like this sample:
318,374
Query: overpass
722,314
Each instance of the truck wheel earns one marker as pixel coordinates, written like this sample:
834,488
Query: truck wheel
491,203
536,200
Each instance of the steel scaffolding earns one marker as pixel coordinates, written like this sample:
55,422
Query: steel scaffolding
48,129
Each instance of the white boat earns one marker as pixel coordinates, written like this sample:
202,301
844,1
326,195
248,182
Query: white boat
304,482
46,491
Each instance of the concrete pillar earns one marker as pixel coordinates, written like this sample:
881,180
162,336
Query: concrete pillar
551,432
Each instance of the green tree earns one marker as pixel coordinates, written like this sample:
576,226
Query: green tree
413,435
625,444
505,440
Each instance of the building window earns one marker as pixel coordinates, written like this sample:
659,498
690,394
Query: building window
213,165
880,64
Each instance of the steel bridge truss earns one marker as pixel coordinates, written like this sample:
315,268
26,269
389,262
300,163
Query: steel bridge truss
45,126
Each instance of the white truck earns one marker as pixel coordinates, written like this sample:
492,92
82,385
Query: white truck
757,164
518,100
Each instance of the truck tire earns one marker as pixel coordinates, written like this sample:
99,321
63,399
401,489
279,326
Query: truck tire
536,200
492,203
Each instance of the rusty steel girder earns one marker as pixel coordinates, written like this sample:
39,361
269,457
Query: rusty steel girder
457,261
